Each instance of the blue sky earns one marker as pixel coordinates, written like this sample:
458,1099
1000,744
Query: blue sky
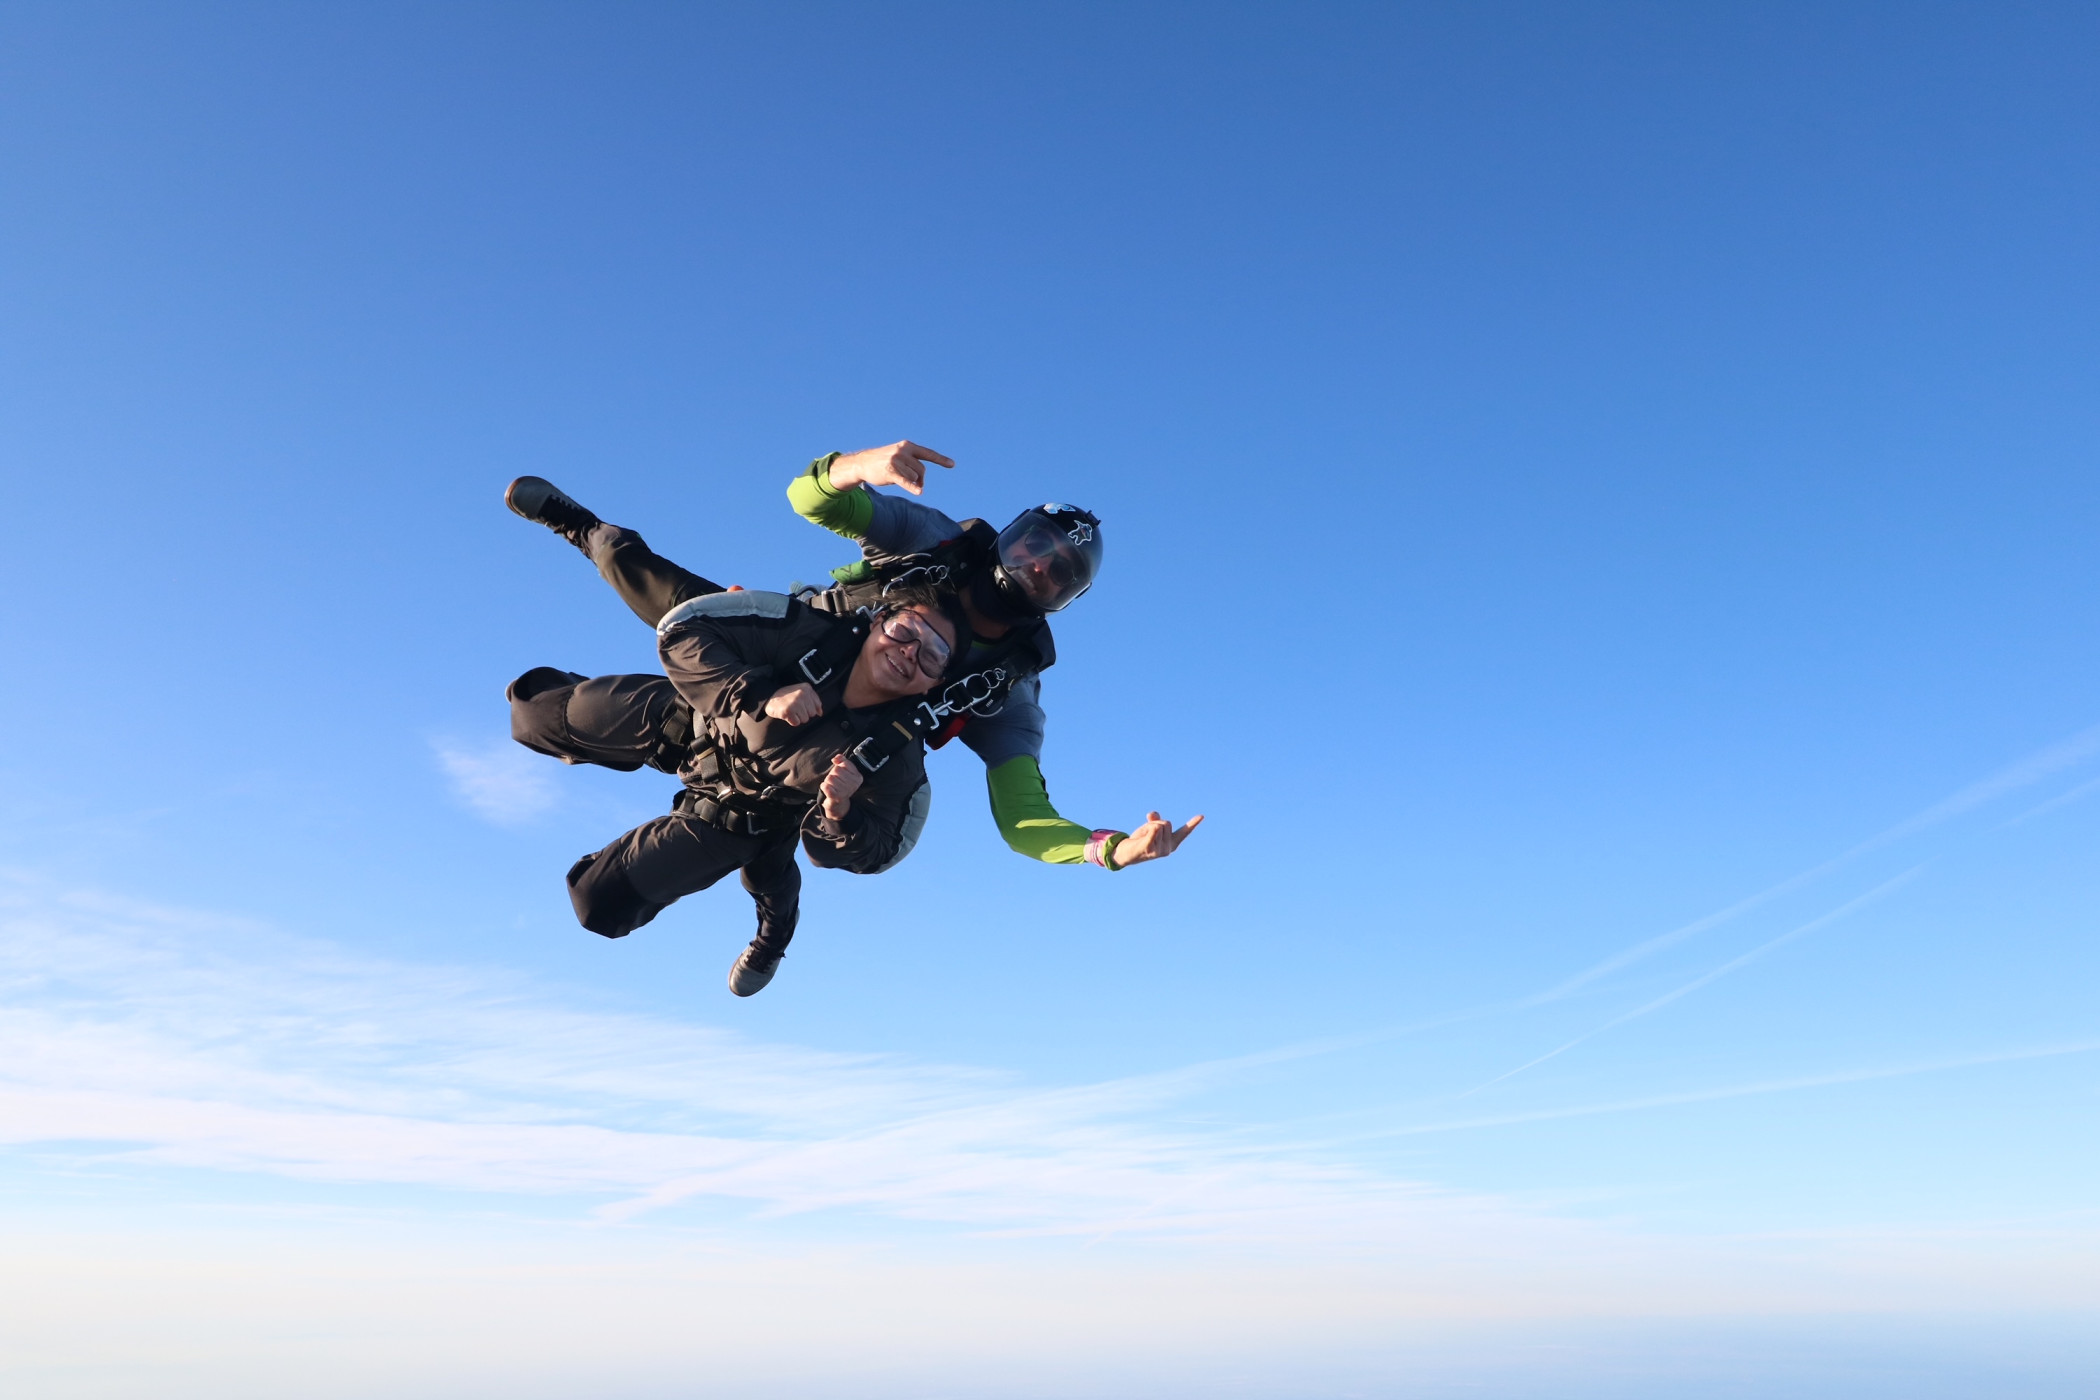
1599,507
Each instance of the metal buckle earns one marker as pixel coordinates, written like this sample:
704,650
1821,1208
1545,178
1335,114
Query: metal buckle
936,574
976,691
860,758
803,666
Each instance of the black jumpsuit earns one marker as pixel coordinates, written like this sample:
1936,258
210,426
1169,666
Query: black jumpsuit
724,654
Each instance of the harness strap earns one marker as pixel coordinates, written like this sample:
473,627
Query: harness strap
928,718
745,814
728,788
675,739
824,660
982,690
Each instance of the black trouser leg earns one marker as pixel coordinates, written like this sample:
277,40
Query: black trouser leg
774,882
612,721
646,581
658,863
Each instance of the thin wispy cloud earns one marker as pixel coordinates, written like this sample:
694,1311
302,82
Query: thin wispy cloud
171,1045
661,1161
499,781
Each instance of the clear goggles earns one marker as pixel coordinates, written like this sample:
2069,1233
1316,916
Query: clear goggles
930,650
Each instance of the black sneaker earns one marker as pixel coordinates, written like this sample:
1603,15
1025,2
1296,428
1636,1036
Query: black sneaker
538,499
754,968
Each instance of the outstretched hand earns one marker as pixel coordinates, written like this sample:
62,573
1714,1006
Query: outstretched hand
839,786
798,704
1155,839
899,464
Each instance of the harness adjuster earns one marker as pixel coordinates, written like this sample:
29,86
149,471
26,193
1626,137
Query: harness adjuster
741,813
811,677
934,575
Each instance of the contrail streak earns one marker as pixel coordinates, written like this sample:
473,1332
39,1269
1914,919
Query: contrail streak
1739,1091
1722,971
2062,799
2028,771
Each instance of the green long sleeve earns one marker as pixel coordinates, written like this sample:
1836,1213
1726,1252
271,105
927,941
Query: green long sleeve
847,513
1021,807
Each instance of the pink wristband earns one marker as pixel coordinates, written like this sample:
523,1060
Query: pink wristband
1097,847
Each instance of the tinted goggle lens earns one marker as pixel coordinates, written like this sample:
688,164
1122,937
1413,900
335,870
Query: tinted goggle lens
1045,569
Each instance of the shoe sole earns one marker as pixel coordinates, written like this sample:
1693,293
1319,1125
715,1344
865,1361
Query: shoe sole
518,487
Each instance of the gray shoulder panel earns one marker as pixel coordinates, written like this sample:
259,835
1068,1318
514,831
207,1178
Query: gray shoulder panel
914,823
902,526
748,602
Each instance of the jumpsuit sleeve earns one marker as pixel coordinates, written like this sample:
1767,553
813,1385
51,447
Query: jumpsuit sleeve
721,651
865,841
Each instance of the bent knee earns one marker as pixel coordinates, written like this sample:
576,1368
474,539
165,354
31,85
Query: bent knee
539,703
607,539
605,900
538,681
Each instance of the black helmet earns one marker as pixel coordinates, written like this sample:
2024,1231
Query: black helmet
1048,556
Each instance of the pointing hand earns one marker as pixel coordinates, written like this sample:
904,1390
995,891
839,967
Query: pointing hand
900,464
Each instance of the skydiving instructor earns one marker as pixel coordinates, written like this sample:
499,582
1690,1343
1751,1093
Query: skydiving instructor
1005,583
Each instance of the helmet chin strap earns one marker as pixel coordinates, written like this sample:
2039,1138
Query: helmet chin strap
994,596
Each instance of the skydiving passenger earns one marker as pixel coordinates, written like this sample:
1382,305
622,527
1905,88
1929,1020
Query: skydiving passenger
1005,583
766,759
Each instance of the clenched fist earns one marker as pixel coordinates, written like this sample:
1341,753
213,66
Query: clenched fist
798,704
839,786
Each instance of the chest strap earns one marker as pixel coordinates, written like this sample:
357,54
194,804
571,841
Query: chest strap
927,718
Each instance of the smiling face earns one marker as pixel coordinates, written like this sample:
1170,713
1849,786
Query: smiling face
905,654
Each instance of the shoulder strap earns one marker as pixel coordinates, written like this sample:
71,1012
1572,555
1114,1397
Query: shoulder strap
947,565
834,654
981,690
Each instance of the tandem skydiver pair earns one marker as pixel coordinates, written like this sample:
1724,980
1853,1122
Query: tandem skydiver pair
807,717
